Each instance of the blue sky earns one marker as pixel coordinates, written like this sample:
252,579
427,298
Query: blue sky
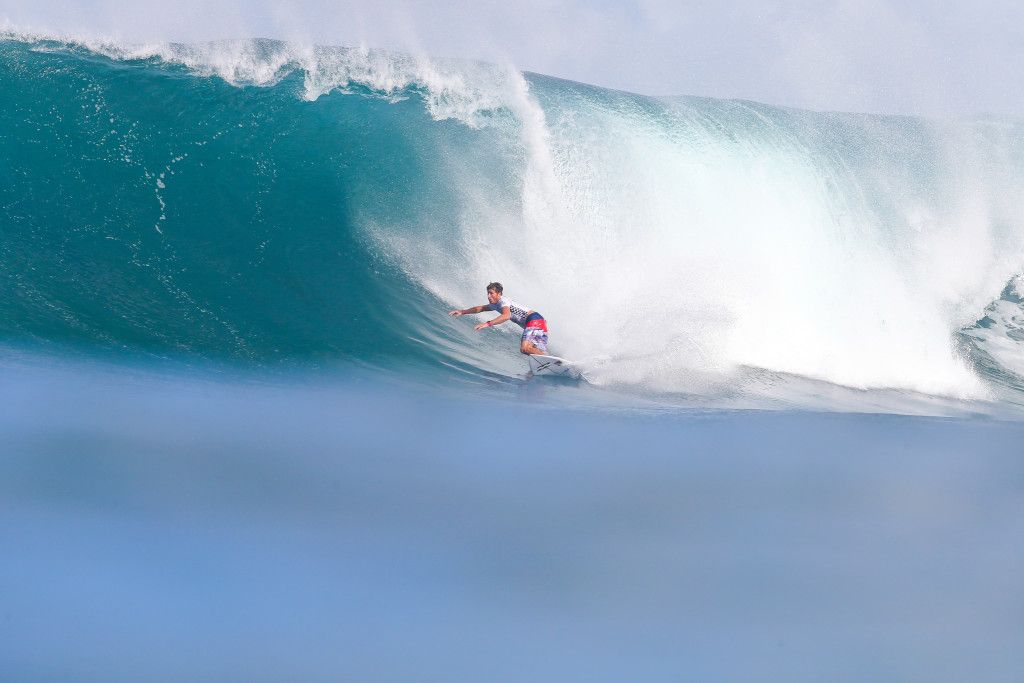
870,55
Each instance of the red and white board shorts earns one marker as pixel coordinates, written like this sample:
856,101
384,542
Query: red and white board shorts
536,331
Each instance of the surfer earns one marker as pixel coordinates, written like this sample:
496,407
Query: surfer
535,328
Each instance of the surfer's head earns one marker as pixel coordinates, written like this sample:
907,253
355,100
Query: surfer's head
494,291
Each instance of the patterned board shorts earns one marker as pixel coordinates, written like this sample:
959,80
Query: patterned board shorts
536,332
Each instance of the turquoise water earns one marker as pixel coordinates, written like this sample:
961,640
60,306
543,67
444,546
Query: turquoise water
152,211
242,438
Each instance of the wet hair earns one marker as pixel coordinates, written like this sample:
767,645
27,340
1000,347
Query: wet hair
496,286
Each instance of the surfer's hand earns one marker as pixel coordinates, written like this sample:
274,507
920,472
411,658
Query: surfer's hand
481,326
455,314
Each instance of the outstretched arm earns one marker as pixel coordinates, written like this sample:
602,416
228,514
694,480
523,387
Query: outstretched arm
468,311
497,321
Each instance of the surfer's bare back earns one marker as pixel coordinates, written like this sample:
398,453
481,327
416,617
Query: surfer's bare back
535,328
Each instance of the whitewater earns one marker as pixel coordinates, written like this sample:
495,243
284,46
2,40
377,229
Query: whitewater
242,436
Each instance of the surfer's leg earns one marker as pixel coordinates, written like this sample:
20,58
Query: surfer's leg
528,348
535,338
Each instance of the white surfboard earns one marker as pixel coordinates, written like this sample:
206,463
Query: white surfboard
554,366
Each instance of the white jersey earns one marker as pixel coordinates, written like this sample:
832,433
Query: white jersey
517,313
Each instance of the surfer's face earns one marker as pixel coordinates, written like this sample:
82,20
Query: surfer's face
492,296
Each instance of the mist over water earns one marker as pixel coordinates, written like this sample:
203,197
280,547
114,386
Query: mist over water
889,56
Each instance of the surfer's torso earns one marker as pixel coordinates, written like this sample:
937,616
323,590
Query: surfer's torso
516,313
535,328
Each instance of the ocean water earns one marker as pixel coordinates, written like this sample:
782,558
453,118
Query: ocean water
242,438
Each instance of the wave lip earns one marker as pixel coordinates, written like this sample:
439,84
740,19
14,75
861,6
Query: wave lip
451,89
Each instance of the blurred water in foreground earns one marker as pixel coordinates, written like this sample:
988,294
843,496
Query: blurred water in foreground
173,526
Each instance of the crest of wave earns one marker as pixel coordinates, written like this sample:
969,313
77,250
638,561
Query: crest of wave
451,89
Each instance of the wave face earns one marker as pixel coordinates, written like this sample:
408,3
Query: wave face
264,202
